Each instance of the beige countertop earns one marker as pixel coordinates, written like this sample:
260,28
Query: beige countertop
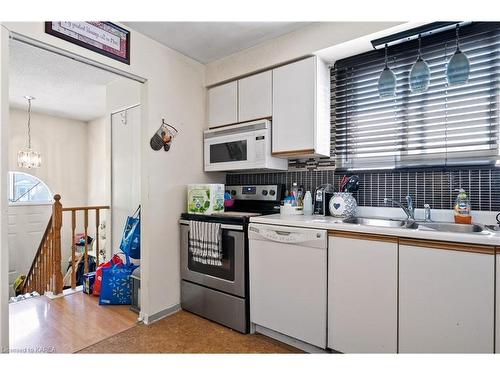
331,223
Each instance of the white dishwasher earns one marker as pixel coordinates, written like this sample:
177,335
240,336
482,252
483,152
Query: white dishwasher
288,281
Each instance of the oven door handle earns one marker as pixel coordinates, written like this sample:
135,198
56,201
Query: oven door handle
223,226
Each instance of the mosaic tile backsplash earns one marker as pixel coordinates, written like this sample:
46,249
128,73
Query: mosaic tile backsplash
435,187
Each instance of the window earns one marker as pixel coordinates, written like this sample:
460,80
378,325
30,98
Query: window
445,125
27,189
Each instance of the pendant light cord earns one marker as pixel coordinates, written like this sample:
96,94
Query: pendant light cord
386,55
29,123
458,41
419,45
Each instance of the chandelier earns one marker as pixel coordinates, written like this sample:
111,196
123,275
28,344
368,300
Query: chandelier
27,158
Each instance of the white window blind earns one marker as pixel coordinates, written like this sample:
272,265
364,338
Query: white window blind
445,125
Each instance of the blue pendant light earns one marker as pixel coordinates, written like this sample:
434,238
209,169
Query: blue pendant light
420,73
458,69
387,80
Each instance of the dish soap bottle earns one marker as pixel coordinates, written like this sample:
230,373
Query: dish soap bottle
462,208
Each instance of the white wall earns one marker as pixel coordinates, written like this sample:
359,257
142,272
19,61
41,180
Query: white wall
97,162
98,172
175,90
63,145
302,42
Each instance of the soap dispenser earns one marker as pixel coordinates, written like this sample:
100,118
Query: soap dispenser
462,208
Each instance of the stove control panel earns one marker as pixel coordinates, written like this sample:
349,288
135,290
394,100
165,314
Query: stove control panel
254,192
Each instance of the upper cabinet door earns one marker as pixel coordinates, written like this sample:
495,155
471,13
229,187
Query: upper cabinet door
293,107
255,97
301,101
223,104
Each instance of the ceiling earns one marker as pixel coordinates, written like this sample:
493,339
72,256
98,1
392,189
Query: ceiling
209,41
62,87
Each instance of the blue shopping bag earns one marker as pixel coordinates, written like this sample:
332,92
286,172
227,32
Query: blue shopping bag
131,239
116,284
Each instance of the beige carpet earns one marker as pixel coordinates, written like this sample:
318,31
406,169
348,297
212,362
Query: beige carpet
184,332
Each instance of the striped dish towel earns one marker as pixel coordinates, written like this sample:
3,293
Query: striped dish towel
204,242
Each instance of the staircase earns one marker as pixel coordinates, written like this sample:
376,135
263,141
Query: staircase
45,274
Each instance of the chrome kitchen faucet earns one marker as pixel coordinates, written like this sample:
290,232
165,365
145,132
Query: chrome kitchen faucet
409,209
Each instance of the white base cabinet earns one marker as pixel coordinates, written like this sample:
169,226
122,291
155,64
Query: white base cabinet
446,298
362,293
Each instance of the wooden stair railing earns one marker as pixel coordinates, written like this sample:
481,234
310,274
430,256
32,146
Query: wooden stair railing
45,273
85,210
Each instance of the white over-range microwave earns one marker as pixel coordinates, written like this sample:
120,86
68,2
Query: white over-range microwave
240,147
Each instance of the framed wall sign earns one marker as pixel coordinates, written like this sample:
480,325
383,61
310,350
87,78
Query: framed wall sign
105,38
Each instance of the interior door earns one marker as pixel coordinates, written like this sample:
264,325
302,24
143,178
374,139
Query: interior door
125,169
25,230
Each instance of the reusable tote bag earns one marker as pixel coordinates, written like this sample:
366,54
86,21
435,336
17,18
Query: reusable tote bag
98,273
131,240
116,284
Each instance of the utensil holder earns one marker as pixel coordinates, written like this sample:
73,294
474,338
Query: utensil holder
343,205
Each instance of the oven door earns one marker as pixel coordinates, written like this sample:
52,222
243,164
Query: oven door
228,278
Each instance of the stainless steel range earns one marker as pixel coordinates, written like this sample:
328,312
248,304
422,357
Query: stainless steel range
220,292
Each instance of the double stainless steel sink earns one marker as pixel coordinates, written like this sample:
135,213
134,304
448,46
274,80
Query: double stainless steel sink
420,225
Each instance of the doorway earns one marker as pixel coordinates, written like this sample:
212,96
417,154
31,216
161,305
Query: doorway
90,149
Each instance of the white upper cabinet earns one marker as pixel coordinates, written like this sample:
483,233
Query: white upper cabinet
223,104
362,293
301,109
446,298
255,97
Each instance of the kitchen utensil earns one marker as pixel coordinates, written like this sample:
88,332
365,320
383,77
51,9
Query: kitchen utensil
387,80
420,73
342,183
352,184
458,68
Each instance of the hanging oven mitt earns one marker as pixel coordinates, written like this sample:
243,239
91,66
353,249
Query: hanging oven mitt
162,137
156,141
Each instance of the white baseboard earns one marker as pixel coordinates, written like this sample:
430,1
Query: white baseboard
148,319
308,348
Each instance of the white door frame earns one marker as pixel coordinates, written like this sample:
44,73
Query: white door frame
5,35
4,176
